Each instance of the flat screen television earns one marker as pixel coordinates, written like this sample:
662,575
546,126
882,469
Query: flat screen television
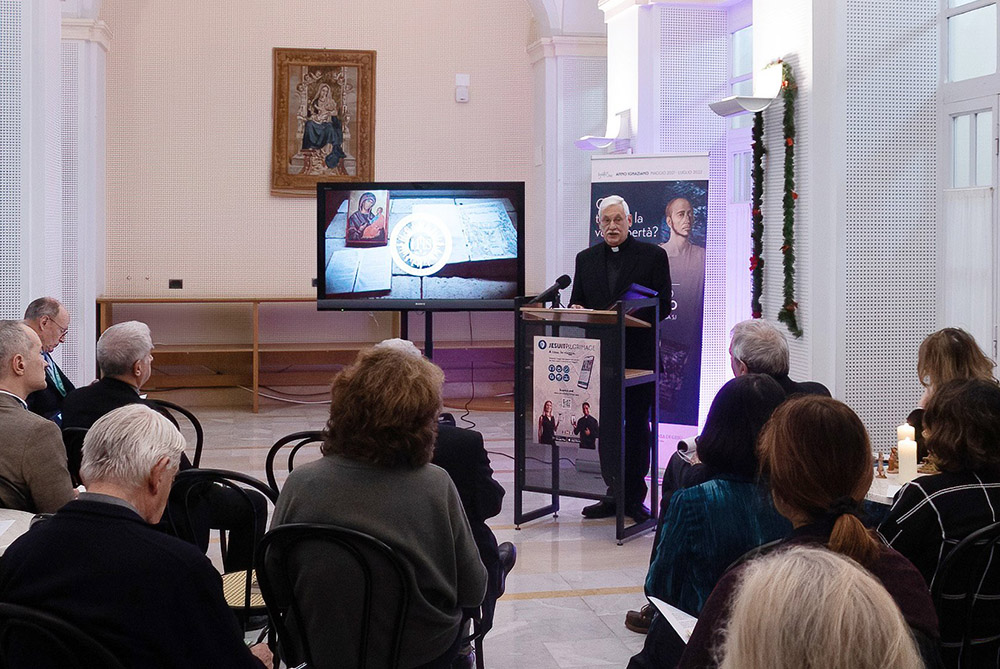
421,246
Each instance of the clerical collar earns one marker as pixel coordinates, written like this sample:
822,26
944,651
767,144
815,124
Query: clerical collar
618,249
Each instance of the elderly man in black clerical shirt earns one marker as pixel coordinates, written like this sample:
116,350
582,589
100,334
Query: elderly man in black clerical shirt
153,600
603,272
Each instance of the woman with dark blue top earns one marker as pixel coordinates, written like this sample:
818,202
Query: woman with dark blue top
709,526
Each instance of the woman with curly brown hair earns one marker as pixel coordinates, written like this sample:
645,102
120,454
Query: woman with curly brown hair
375,477
817,457
933,513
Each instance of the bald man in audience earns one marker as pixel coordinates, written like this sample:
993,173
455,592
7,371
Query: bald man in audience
32,456
151,599
50,321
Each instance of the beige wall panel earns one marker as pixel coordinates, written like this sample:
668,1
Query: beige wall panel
189,127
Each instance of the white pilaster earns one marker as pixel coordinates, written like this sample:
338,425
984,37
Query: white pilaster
85,42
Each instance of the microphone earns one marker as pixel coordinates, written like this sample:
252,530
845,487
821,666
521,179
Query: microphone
550,292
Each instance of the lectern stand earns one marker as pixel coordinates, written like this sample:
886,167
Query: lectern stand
563,468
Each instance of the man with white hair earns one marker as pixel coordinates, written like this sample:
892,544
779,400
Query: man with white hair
603,272
125,356
759,347
32,457
151,599
50,321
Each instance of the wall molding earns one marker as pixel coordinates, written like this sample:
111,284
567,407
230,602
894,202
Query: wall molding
562,45
88,30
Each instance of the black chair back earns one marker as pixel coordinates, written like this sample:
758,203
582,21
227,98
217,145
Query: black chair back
73,441
187,499
32,639
965,596
337,597
12,498
168,409
292,443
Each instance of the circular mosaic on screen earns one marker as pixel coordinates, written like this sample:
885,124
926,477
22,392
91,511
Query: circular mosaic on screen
420,244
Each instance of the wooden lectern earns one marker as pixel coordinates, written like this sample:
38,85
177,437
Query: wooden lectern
561,468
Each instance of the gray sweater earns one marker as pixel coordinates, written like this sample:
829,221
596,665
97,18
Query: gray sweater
418,513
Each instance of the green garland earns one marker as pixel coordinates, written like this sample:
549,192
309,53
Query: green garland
757,215
789,91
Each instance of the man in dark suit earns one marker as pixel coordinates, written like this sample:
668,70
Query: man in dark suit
125,356
603,272
461,453
587,427
151,599
50,321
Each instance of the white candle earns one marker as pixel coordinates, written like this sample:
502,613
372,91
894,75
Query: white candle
905,431
907,449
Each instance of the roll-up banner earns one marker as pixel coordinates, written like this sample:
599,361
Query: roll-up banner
668,199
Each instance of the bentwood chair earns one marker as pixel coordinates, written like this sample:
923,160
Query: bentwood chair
168,409
32,639
337,597
291,444
73,441
188,494
965,593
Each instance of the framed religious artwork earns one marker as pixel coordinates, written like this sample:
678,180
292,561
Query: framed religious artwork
324,119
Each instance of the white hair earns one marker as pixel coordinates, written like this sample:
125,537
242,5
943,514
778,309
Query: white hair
121,346
811,607
123,446
610,201
14,340
760,346
404,346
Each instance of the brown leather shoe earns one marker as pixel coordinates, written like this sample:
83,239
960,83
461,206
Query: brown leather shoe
638,621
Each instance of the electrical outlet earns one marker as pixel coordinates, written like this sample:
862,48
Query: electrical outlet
314,283
175,283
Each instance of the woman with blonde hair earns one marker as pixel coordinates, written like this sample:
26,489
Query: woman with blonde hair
376,478
946,355
823,610
816,455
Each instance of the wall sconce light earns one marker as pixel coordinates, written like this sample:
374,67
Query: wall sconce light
766,88
622,141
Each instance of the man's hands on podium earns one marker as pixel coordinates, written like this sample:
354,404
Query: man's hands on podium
577,306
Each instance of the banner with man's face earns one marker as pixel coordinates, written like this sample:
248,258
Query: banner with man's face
668,201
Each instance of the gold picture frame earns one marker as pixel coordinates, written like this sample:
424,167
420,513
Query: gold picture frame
324,119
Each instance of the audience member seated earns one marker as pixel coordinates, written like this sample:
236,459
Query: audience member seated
822,610
32,457
816,455
461,453
125,356
151,599
376,477
709,526
947,354
933,513
756,347
50,321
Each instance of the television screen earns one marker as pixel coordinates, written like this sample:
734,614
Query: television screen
421,246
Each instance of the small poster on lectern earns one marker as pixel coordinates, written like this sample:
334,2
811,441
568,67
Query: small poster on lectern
567,391
668,201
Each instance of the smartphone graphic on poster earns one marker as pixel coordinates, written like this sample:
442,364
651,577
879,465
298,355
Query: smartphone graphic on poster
585,371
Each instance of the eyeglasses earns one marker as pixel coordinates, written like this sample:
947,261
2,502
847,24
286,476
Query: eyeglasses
62,329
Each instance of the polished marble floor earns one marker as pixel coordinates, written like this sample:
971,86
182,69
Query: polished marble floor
567,596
